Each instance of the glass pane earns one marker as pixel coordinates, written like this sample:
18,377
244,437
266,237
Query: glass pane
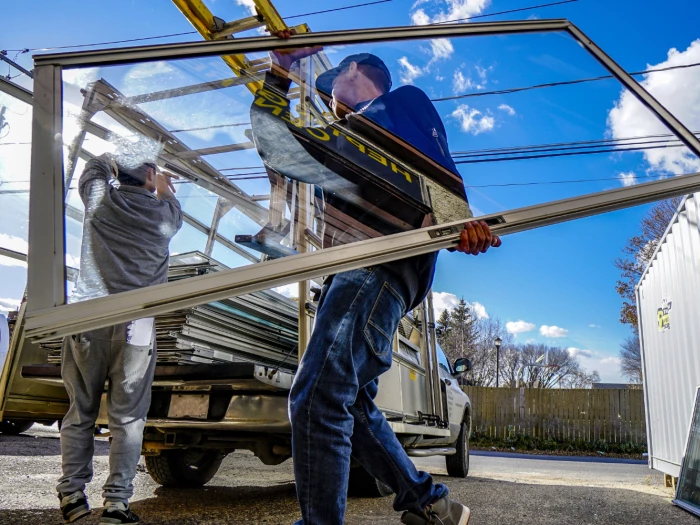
308,149
688,490
15,158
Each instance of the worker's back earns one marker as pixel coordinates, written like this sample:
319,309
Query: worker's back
126,235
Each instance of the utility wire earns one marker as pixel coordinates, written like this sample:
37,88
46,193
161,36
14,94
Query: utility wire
354,6
540,183
141,39
563,83
567,154
337,9
505,12
555,144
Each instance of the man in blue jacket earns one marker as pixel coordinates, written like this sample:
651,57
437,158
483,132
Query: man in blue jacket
331,405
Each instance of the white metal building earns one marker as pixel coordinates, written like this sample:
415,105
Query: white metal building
668,299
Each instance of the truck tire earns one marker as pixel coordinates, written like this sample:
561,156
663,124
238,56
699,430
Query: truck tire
363,485
184,467
14,427
458,464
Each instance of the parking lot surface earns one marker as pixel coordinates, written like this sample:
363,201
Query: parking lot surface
500,490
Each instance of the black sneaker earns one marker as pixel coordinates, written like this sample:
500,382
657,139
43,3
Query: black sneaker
116,513
443,512
74,506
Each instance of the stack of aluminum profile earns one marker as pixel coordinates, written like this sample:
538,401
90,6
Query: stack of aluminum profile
259,327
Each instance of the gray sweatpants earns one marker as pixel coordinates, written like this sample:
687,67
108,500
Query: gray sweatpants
124,355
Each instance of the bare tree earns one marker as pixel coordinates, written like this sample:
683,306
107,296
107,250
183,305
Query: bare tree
564,369
638,253
631,359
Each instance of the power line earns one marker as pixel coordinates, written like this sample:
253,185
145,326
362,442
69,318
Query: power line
354,6
564,146
337,9
555,144
563,83
505,12
141,39
567,154
113,42
540,183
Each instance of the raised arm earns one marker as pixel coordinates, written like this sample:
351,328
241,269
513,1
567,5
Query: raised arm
95,180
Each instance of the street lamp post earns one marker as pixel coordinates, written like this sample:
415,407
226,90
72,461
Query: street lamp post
497,342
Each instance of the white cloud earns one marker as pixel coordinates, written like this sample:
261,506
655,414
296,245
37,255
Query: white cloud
553,331
460,83
8,305
593,326
442,301
508,109
409,72
248,4
419,18
519,327
611,361
677,90
81,77
288,290
16,244
579,352
628,179
482,72
441,49
472,120
479,310
607,367
460,9
149,70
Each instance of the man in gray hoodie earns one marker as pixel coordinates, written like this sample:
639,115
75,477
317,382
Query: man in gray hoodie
126,236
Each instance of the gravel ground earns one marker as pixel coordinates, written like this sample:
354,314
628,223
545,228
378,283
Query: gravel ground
500,491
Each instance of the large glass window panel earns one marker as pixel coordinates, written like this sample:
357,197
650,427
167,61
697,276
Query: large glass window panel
353,142
15,153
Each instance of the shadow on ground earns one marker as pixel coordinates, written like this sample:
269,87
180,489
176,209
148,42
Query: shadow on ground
492,503
28,445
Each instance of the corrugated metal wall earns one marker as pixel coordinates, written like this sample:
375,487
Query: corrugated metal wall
671,354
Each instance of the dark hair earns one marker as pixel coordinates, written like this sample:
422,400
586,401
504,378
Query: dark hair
126,179
377,76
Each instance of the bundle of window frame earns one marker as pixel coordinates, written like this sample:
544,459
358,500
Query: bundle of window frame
259,327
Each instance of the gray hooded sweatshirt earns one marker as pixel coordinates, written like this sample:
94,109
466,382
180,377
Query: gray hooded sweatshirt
126,235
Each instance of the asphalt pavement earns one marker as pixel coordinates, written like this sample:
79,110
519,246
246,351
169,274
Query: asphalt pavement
501,490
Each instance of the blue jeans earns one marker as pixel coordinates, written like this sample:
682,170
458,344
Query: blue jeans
331,404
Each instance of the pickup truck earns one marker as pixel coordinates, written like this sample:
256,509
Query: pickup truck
201,412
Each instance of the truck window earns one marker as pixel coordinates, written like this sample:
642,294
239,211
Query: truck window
443,362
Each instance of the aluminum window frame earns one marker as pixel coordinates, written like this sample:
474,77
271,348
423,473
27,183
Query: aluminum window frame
48,315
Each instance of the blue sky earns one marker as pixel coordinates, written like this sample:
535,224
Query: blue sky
558,282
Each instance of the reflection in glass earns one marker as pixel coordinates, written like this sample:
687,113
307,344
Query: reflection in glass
688,491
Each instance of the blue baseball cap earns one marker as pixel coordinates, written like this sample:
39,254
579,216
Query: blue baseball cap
324,82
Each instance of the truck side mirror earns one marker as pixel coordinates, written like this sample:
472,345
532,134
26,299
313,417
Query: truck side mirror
463,365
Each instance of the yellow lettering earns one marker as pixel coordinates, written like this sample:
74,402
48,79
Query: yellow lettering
336,132
276,110
396,169
356,143
318,133
376,156
273,97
